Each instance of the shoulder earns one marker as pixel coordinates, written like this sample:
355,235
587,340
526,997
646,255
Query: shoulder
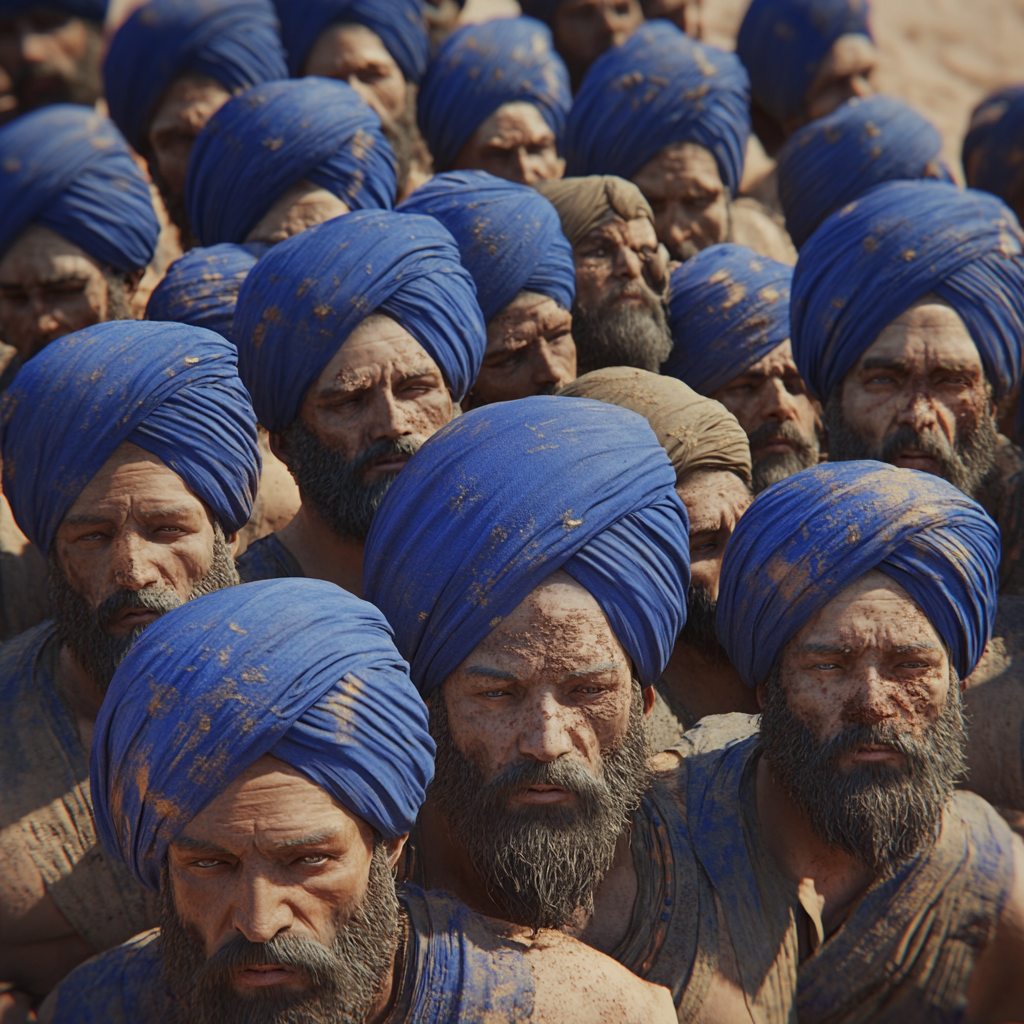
267,559
713,735
18,656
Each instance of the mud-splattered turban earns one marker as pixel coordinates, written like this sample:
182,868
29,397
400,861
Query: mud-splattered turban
295,668
993,152
584,203
504,496
807,538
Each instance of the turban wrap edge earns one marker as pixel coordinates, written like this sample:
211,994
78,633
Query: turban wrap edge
993,150
584,203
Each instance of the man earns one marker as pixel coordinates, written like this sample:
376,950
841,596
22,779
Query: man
281,157
50,53
618,318
908,324
805,58
711,458
356,340
511,242
495,98
381,48
533,562
729,311
991,151
130,461
271,838
77,227
172,65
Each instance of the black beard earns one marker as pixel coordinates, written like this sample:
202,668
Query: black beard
622,336
333,486
969,464
770,469
700,632
174,202
343,981
84,87
84,631
878,814
543,864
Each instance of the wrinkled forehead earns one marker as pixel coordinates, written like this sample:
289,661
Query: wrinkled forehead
352,44
851,54
928,333
41,254
713,499
637,233
514,124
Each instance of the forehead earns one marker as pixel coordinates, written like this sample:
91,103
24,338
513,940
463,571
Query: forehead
851,54
188,90
679,164
512,122
531,307
376,343
778,362
39,252
709,495
931,332
637,233
350,42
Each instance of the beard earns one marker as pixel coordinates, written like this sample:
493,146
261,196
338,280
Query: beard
84,630
118,303
541,864
611,335
174,202
83,87
699,632
333,486
969,463
770,469
343,980
879,814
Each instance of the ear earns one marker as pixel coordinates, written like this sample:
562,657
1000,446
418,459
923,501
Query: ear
279,447
395,847
762,694
233,542
649,697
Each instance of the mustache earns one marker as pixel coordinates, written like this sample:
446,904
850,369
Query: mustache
152,599
312,958
786,431
385,448
931,444
915,750
635,289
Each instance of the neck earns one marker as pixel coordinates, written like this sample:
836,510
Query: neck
321,553
706,687
82,694
381,1009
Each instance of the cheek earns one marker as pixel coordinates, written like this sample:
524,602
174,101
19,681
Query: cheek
705,572
430,412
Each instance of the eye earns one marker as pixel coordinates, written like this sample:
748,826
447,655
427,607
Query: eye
588,690
314,860
825,666
495,693
209,863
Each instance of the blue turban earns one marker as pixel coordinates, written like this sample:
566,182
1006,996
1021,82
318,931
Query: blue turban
482,67
68,169
509,235
807,538
91,10
261,143
308,294
234,42
170,389
728,308
880,254
504,496
993,151
659,88
201,287
783,42
295,668
838,158
401,25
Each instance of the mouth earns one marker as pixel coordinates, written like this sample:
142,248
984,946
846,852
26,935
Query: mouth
389,464
543,794
875,754
913,458
269,974
131,618
777,446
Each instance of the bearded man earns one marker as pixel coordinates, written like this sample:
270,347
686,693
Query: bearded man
511,242
729,311
618,318
991,147
130,461
356,340
172,65
908,324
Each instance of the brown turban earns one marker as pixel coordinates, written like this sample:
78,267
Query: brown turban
583,203
698,433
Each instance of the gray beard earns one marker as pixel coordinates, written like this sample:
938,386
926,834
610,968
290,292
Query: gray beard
84,630
343,980
541,865
118,304
626,336
878,814
770,469
84,87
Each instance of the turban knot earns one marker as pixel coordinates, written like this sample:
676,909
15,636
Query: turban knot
69,169
993,151
482,67
234,42
506,495
807,538
295,668
509,236
271,137
170,389
881,253
584,203
659,88
308,294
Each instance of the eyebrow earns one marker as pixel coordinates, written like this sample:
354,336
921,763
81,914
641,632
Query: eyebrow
199,845
884,363
592,670
81,519
61,279
492,673
174,510
914,646
314,839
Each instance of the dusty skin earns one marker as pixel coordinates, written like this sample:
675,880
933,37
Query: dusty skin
844,74
584,29
615,254
514,143
301,207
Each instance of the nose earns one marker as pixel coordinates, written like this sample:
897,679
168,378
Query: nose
919,413
261,912
778,402
131,567
391,419
546,734
872,702
628,263
47,323
35,47
365,92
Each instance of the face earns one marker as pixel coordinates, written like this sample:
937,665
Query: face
844,74
584,29
514,143
530,351
684,14
690,201
302,206
780,418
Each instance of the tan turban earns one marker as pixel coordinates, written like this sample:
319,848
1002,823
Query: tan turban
583,203
698,433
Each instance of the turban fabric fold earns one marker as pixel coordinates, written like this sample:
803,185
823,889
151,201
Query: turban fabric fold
271,137
699,434
170,389
840,157
401,25
993,152
295,668
876,257
201,287
308,294
234,42
807,538
510,237
659,88
783,42
728,308
67,168
584,203
479,68
91,10
504,496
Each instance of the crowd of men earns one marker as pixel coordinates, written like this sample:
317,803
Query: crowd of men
469,554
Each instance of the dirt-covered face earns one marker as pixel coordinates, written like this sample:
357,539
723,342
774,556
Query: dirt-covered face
618,262
301,206
514,143
584,29
844,74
